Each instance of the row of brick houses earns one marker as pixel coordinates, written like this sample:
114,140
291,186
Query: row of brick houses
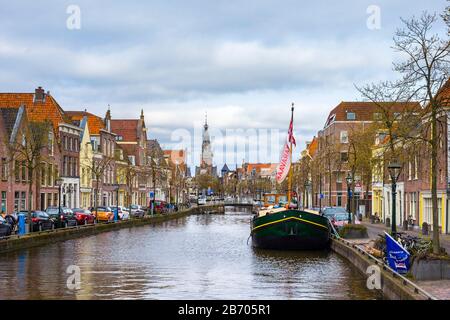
94,159
329,149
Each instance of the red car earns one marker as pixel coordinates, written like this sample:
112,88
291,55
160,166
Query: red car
83,216
160,206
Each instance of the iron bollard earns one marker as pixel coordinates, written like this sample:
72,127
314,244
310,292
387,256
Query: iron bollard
21,230
388,222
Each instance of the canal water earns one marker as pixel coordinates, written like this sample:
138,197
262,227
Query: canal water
195,257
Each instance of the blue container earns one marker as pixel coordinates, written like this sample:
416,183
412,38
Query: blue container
21,223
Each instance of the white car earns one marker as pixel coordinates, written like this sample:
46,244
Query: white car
201,201
124,214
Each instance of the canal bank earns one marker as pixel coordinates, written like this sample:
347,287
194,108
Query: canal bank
393,285
46,237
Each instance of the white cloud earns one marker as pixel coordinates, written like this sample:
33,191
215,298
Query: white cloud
244,64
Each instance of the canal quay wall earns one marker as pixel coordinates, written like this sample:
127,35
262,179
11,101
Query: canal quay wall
393,285
35,239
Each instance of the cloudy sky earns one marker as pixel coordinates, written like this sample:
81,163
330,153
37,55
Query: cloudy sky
243,62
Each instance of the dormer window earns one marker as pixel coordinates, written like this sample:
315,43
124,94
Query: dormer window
351,116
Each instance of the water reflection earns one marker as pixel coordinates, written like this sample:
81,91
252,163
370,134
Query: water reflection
196,257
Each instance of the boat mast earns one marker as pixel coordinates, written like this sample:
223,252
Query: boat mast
290,158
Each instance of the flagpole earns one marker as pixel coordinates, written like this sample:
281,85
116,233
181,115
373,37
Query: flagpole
290,158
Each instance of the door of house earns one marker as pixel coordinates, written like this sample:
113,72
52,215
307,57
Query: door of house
42,202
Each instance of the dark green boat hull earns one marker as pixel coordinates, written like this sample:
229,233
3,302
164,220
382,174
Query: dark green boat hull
291,230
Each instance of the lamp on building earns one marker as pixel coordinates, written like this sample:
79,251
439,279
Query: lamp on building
349,196
395,169
59,183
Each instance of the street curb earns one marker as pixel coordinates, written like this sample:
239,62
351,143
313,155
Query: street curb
393,286
51,236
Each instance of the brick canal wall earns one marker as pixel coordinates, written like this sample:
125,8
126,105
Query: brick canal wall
46,237
392,285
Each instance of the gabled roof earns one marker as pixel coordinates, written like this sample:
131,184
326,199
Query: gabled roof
364,111
176,156
95,123
126,128
9,116
11,120
38,111
444,94
225,168
313,147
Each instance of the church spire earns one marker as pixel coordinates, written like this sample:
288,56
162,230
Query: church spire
206,120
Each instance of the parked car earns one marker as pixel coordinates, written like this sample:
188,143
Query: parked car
136,210
160,206
5,228
139,213
83,216
124,214
103,214
337,215
41,221
62,218
201,201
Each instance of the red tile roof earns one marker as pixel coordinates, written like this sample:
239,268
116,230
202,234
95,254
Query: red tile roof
365,110
313,147
444,94
127,128
176,156
95,123
258,167
49,109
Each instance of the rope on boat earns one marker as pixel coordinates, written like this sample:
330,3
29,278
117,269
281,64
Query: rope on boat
335,233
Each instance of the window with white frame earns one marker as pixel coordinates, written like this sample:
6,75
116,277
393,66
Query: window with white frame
409,170
428,210
416,168
351,116
344,137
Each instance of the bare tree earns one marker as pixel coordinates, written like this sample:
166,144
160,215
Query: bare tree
424,71
97,167
31,150
330,160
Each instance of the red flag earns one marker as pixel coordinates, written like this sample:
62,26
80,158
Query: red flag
291,138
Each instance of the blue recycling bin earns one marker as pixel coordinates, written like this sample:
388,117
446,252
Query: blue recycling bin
22,222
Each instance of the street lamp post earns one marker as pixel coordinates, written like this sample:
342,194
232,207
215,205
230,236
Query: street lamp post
349,197
394,171
116,214
305,201
320,193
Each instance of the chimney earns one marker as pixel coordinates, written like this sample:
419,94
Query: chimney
39,95
108,119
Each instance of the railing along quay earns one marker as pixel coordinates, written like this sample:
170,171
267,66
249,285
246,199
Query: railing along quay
405,281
